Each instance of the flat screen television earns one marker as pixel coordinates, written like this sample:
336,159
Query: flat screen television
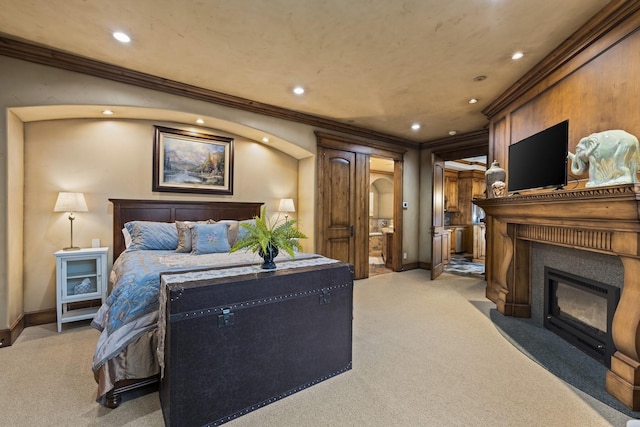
539,161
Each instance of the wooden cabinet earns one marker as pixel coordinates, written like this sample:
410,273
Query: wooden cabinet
81,276
446,244
457,238
452,240
470,185
450,191
479,242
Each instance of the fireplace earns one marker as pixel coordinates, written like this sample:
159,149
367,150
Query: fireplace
603,220
580,310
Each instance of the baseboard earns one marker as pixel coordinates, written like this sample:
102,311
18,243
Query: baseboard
5,338
42,317
410,266
9,336
425,265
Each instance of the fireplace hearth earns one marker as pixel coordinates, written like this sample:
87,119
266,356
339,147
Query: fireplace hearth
580,310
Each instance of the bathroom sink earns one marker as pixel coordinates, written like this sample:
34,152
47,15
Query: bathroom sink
387,229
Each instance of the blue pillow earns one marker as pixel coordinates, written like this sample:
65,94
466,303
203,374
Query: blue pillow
149,235
209,238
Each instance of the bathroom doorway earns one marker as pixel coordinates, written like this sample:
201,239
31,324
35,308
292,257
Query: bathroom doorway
381,215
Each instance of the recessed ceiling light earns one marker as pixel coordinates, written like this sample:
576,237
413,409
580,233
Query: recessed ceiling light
121,37
265,139
107,112
452,132
473,101
415,126
298,90
199,121
517,55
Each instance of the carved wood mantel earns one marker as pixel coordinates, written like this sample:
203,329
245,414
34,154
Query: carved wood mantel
600,219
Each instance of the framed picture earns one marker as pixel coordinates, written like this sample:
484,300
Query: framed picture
192,162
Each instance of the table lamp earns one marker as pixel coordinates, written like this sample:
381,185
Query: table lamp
71,202
286,206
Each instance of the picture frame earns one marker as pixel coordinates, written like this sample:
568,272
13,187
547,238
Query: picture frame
192,162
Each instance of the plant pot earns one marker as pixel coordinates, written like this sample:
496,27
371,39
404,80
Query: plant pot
268,257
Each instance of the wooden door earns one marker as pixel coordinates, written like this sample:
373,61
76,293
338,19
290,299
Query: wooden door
338,204
438,242
342,224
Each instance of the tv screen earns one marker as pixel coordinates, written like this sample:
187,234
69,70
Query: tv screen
539,161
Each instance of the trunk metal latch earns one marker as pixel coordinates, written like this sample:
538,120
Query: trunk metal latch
325,297
226,318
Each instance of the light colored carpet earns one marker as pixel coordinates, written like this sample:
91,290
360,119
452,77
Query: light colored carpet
425,353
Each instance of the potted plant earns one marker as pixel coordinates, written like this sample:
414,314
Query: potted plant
269,238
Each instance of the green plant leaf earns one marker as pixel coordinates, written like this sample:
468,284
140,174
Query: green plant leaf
283,236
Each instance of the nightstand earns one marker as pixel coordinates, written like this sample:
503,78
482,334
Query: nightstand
81,277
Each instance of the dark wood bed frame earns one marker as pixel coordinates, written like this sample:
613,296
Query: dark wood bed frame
125,210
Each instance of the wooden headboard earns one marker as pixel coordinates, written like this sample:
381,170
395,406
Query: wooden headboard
125,210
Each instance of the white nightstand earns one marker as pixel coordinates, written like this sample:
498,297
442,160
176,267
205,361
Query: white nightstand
81,275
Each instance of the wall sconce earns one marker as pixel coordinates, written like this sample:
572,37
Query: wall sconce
71,202
286,206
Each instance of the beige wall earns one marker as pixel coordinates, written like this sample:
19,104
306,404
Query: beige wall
412,217
30,93
14,211
85,154
382,188
113,159
426,206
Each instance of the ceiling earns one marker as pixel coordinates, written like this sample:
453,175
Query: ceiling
376,64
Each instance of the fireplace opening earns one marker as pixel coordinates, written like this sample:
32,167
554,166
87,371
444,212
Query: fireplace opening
580,310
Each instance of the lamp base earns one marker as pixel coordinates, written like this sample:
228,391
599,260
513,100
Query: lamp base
71,248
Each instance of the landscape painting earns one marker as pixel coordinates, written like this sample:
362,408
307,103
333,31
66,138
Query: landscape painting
192,162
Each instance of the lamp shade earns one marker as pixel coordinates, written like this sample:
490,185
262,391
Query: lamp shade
70,202
286,205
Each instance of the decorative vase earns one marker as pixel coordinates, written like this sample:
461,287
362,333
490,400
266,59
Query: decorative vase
494,174
268,257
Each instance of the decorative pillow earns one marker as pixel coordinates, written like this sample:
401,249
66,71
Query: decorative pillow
209,238
232,233
236,232
150,235
127,237
243,231
184,234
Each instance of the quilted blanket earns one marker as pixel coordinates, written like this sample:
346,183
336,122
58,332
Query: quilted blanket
132,307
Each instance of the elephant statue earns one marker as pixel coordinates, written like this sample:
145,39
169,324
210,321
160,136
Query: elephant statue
612,157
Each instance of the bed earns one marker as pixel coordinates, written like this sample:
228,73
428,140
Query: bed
125,361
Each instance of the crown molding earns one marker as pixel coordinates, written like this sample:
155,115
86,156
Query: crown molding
66,61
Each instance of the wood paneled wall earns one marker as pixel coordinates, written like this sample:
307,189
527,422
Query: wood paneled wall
597,88
593,80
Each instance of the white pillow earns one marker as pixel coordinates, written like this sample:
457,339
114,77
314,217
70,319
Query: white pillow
127,237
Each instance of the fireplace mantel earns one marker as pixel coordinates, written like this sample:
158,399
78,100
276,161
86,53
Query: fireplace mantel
598,219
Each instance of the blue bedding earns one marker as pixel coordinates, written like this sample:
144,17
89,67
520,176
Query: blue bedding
131,309
137,280
136,290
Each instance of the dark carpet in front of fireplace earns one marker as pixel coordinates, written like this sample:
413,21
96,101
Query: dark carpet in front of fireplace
558,356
